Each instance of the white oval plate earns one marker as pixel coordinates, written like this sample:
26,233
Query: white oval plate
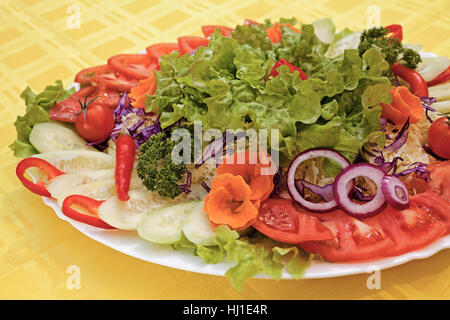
129,243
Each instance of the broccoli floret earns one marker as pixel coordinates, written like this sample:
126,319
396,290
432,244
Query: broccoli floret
391,47
155,166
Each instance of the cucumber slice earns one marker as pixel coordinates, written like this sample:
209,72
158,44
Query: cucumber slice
165,225
49,136
348,42
62,184
197,228
441,91
126,215
98,190
74,160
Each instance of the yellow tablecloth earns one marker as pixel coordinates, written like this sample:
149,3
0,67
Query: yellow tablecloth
39,44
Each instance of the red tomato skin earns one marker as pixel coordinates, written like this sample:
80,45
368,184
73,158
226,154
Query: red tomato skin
188,44
439,137
155,51
210,29
98,123
135,66
440,178
66,109
85,76
302,226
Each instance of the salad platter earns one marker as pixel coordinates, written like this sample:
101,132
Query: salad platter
264,150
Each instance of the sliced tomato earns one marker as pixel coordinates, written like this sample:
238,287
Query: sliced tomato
155,51
67,109
85,76
115,81
422,223
208,30
440,178
354,239
280,220
188,44
137,66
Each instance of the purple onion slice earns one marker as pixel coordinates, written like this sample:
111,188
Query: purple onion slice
320,207
345,177
395,192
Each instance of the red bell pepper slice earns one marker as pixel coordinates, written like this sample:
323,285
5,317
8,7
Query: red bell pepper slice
441,78
91,205
395,31
283,62
418,85
248,22
125,151
39,187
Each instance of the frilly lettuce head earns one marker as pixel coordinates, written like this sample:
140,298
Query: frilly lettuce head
226,85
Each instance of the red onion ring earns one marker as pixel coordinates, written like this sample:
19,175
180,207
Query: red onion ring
320,207
346,176
395,192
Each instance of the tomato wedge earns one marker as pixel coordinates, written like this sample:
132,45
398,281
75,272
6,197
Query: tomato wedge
136,66
354,240
280,220
85,76
155,51
188,44
208,30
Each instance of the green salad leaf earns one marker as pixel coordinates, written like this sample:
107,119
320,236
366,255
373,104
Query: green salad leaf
252,255
227,85
37,111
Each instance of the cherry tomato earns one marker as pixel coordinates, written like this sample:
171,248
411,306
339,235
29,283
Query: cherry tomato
136,66
440,178
95,122
208,30
439,137
395,31
188,44
280,220
157,50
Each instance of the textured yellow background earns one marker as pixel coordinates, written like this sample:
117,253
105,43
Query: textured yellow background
36,47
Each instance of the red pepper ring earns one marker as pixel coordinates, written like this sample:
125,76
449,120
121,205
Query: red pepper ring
90,205
45,166
302,75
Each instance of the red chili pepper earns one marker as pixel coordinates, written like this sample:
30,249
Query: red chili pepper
90,205
39,187
248,22
418,85
395,31
441,78
282,62
125,151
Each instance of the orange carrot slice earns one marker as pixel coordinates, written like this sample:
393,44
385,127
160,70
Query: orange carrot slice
404,105
138,94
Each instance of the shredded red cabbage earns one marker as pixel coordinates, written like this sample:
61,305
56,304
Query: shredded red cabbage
185,187
279,183
426,102
400,139
205,186
326,192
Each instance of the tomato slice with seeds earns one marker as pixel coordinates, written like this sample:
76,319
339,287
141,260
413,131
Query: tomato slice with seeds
440,178
188,44
280,220
136,66
155,51
426,220
354,239
85,76
208,30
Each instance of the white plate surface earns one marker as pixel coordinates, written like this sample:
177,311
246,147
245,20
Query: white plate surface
129,243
